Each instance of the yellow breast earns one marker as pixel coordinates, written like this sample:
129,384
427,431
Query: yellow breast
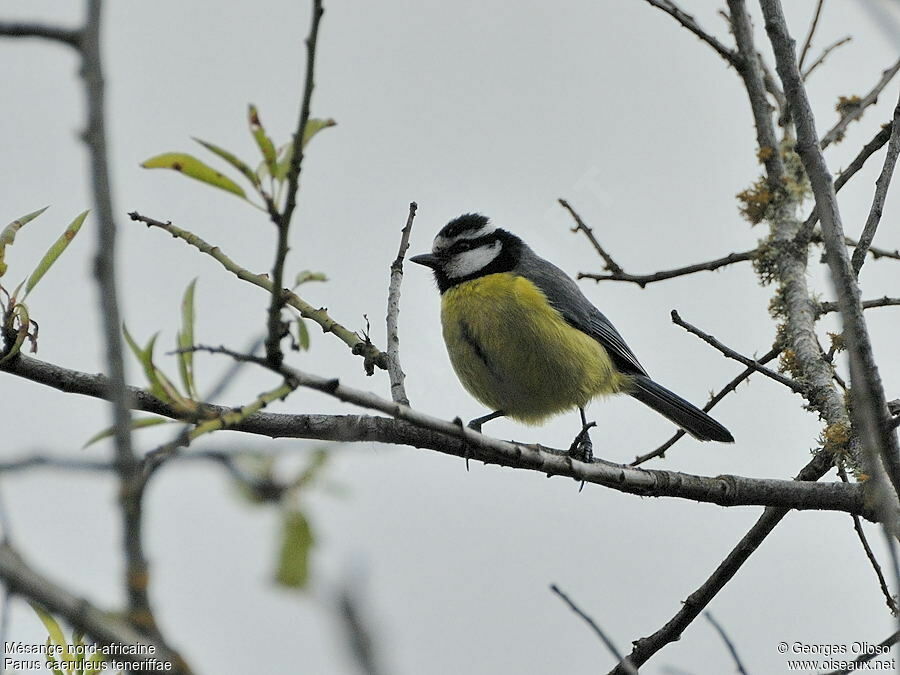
514,352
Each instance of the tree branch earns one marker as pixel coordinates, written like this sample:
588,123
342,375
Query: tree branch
888,642
67,36
828,307
824,55
794,386
611,264
643,279
807,43
881,188
419,430
688,22
610,645
723,392
837,131
105,627
721,631
283,221
395,370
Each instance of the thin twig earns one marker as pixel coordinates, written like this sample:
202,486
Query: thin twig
824,55
807,43
722,393
794,386
358,631
395,370
66,36
887,643
870,554
837,131
283,219
806,232
643,279
721,631
691,24
580,226
881,189
828,307
610,645
371,355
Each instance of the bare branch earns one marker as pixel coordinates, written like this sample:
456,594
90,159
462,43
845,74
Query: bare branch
283,220
721,631
395,370
807,43
610,645
837,131
66,36
371,355
643,279
827,307
794,386
887,643
687,21
824,55
727,389
105,627
611,264
870,554
881,188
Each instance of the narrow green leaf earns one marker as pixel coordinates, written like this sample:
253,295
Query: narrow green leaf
313,126
54,252
302,334
136,423
296,543
185,340
194,168
8,234
53,629
306,275
232,159
160,385
266,146
19,312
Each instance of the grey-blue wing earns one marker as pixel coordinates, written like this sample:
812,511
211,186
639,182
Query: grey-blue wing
564,294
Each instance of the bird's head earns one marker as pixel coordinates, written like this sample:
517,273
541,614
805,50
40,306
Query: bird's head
469,247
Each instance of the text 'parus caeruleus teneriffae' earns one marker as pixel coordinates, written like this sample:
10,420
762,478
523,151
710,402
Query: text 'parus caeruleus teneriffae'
526,342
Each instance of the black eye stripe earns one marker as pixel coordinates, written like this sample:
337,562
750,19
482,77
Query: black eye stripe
468,244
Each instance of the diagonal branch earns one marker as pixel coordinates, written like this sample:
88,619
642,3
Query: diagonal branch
807,43
824,55
724,635
837,131
722,393
688,22
794,386
881,188
580,226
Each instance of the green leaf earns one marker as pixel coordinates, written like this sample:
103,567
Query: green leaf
194,168
136,423
302,334
306,275
20,312
185,340
266,146
313,126
160,386
53,629
8,235
232,159
54,252
296,543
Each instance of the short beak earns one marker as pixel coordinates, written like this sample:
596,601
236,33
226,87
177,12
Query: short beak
427,259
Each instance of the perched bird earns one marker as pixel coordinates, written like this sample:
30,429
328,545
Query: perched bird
527,343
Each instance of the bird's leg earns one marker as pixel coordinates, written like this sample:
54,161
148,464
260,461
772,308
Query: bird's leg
581,448
475,424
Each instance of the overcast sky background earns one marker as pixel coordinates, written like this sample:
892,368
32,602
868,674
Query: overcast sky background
493,107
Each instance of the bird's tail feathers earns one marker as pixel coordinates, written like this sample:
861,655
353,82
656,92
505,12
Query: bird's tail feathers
687,416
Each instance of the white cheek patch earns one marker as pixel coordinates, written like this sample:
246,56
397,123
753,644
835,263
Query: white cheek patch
469,262
441,243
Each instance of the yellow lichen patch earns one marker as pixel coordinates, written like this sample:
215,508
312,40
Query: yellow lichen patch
835,437
847,104
764,153
787,363
756,201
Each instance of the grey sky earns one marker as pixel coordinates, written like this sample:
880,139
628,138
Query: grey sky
467,106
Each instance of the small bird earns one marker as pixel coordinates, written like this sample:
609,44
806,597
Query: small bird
527,343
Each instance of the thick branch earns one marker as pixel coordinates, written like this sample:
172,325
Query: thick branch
828,307
424,431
